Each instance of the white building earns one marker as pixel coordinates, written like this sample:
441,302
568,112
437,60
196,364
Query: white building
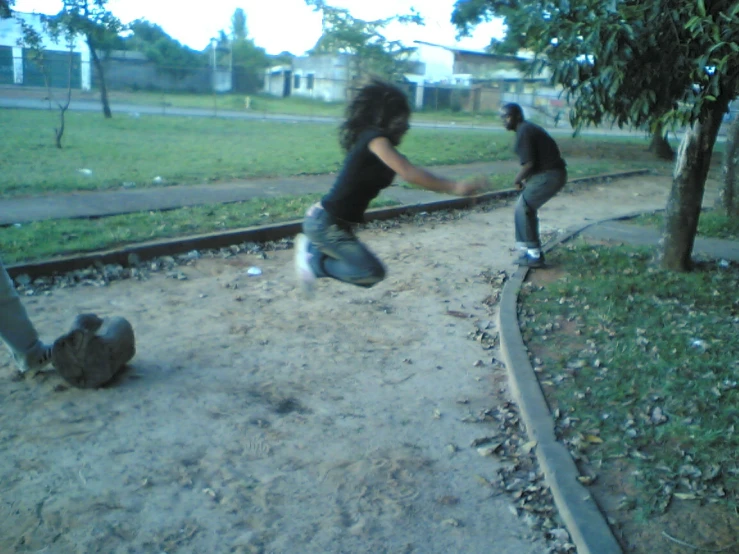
18,68
323,77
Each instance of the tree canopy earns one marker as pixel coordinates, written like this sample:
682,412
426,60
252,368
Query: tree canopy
167,53
6,9
637,62
365,41
640,63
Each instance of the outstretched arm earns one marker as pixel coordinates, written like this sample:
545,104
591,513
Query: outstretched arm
383,149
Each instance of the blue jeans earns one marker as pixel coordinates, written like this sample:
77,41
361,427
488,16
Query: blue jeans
540,188
337,252
16,330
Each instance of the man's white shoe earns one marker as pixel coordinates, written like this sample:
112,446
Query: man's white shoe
303,270
36,360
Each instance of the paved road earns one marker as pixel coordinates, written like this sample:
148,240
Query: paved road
116,202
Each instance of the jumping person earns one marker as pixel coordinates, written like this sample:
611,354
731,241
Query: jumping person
543,174
376,121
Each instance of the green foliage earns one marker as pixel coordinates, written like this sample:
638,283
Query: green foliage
642,63
249,63
371,52
89,18
712,224
44,239
169,55
238,25
248,60
6,11
645,360
195,150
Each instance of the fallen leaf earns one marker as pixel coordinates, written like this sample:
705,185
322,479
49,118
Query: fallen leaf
586,479
488,450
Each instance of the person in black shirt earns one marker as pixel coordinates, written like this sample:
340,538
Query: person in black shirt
543,174
376,121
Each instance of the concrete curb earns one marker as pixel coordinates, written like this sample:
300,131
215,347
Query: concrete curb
152,249
586,523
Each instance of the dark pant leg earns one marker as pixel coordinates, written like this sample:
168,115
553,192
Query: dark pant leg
338,253
540,188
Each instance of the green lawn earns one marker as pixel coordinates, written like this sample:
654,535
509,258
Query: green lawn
126,151
711,224
268,104
640,366
196,150
45,239
184,150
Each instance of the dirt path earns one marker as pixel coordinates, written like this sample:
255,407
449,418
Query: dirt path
251,421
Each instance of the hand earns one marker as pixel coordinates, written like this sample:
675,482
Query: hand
520,185
471,186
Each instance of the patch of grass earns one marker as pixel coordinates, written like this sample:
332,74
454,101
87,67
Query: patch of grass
45,239
195,150
188,150
711,224
291,105
642,364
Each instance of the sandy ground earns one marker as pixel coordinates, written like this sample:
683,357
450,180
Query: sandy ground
253,421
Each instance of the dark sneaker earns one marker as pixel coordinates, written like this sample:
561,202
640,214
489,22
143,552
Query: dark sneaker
303,270
529,261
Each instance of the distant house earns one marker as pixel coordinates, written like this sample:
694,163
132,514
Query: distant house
471,80
441,77
322,76
18,68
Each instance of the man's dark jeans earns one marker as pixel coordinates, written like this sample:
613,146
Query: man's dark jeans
540,188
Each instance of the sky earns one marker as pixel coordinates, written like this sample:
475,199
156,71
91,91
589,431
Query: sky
283,25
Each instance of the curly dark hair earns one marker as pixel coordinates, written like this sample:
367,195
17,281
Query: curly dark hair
376,104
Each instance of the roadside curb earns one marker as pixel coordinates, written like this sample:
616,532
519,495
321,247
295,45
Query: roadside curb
153,249
581,514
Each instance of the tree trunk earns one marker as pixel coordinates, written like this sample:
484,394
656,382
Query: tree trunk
660,146
59,131
728,199
101,74
688,184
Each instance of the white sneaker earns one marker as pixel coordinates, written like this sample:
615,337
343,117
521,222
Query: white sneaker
36,360
303,270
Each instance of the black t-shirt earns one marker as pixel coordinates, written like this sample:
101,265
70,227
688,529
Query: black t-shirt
533,144
361,179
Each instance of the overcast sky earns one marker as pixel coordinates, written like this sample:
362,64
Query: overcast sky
279,25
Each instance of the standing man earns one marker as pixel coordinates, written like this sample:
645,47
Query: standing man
543,174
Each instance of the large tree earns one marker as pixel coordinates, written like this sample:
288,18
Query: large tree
371,52
169,55
639,63
91,19
249,60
